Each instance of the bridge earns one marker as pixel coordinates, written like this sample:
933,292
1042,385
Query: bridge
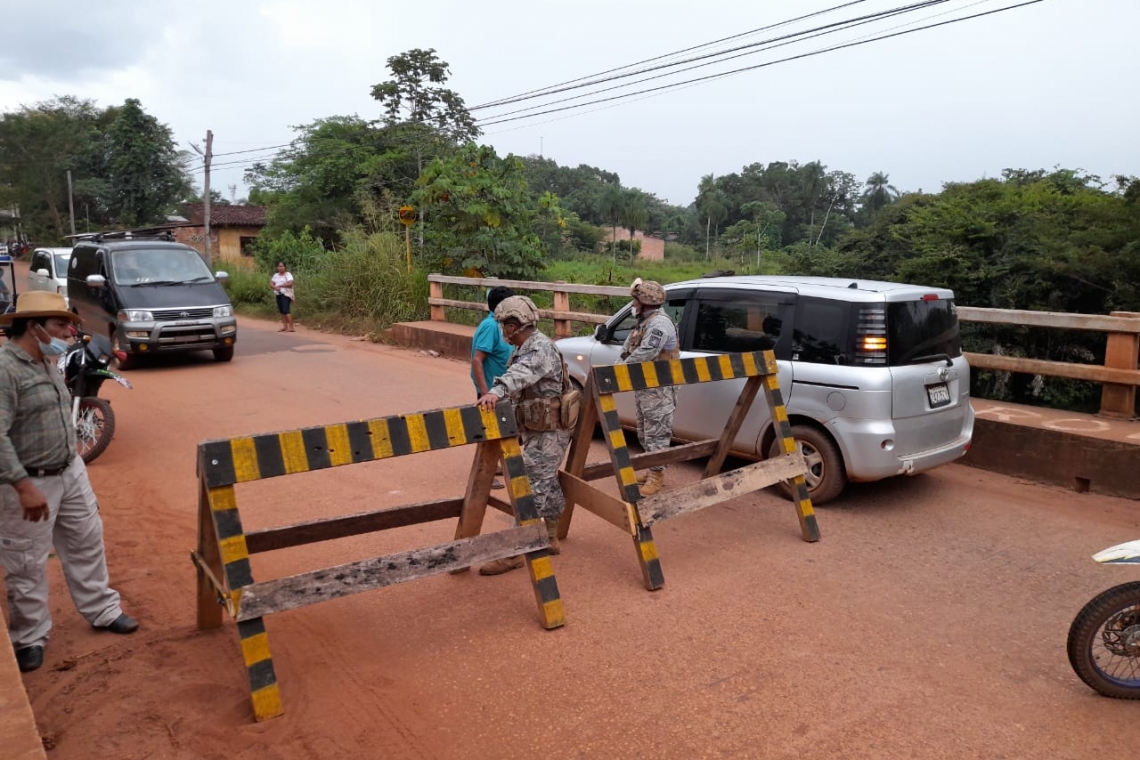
929,621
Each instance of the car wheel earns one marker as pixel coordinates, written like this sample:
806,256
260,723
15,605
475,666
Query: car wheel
130,361
826,476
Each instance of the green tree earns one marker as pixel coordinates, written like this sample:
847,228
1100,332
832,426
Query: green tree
612,204
634,214
878,192
481,215
416,94
144,174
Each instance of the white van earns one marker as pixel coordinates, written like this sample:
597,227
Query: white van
872,373
47,270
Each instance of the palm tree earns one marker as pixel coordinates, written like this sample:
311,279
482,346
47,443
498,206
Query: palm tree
879,191
612,204
634,214
712,203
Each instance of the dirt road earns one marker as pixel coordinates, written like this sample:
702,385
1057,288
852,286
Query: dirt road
929,622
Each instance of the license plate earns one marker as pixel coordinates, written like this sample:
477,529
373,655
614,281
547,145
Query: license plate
939,395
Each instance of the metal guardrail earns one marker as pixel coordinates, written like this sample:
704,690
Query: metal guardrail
1119,375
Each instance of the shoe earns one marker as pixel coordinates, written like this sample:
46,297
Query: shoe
30,658
654,483
124,623
642,477
552,533
496,483
500,566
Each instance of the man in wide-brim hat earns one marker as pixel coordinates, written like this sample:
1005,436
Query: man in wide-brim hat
45,496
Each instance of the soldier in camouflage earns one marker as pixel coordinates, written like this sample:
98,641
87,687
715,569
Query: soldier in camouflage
653,339
533,381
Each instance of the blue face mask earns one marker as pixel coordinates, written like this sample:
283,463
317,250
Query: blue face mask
57,347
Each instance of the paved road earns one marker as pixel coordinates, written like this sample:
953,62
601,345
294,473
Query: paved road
929,622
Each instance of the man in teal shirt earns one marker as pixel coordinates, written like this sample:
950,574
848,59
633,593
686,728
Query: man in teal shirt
490,351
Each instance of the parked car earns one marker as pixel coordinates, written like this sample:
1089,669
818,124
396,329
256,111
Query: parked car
149,295
47,270
872,373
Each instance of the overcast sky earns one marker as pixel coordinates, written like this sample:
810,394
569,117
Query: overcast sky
1040,86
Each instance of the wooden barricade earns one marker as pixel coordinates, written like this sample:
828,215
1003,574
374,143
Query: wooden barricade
225,578
637,514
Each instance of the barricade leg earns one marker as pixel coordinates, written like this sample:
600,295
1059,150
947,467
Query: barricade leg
646,549
263,688
208,561
809,528
526,513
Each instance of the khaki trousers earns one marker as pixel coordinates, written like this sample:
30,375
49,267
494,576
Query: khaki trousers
76,530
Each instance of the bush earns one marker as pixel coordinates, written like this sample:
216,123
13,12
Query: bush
364,285
247,287
301,253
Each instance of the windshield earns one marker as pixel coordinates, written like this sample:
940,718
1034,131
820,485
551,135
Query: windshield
921,330
61,260
158,267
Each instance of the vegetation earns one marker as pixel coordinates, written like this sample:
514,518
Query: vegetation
1059,239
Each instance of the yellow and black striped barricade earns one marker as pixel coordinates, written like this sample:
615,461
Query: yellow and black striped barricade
637,514
225,579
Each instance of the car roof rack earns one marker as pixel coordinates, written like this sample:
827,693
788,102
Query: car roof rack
147,233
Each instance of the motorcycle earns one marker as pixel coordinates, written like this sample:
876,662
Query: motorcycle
1104,639
85,368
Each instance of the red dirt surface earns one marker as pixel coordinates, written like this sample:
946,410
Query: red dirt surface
929,622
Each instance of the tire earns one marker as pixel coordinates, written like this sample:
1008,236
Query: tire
94,427
130,362
1104,642
224,354
826,476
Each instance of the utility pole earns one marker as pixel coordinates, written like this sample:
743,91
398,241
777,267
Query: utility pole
206,192
70,202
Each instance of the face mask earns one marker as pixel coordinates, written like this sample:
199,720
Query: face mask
57,347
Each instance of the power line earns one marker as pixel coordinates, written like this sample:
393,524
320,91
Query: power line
769,44
762,65
513,98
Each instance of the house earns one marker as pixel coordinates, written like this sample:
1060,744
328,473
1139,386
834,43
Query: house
232,230
652,247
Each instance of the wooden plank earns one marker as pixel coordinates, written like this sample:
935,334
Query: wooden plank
478,489
298,534
1121,352
502,505
555,314
610,508
295,591
566,287
683,453
1092,372
735,419
1024,317
209,611
705,493
438,313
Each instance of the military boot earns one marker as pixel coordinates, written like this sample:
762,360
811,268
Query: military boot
500,566
642,477
552,531
654,483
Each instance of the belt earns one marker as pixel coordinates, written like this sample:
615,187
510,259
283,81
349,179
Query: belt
46,472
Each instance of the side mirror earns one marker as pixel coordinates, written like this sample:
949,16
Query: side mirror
222,277
601,333
42,273
96,280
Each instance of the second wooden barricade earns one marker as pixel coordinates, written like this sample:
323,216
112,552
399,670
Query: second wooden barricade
637,514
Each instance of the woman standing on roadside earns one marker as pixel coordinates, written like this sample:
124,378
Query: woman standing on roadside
282,283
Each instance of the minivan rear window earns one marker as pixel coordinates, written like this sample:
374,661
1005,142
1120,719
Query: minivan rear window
921,330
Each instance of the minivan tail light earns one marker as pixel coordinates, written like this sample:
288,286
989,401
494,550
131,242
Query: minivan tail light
871,335
930,297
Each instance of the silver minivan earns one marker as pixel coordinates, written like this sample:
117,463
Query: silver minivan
872,373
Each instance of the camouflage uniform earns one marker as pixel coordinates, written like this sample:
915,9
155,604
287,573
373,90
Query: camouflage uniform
654,338
536,371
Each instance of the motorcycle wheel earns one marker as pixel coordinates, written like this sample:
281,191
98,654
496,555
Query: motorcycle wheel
1104,642
94,427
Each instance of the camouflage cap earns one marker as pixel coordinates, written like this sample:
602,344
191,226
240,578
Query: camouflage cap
519,307
648,292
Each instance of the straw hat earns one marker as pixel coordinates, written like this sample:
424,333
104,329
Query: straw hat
39,304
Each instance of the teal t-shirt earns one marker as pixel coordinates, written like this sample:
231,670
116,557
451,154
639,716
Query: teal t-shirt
489,339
